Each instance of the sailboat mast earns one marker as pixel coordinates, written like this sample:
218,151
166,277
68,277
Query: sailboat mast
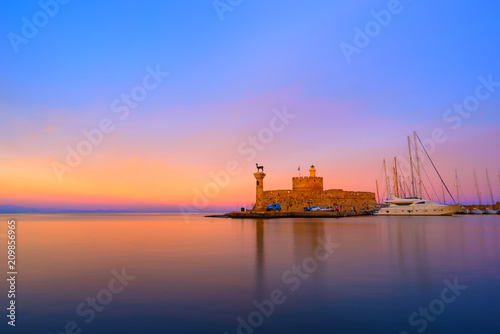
489,185
458,192
411,168
395,183
418,164
376,186
396,180
442,189
477,188
386,183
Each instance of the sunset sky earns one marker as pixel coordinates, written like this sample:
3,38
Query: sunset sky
175,94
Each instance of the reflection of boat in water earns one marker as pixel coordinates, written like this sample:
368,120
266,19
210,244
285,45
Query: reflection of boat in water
416,207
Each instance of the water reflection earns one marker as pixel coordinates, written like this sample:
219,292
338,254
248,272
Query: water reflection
203,275
259,257
387,252
305,237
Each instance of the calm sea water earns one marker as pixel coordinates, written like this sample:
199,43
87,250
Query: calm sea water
152,273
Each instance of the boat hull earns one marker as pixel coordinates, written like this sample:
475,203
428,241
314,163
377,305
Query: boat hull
442,210
415,214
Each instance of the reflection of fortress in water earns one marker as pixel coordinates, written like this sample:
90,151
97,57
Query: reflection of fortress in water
305,240
308,191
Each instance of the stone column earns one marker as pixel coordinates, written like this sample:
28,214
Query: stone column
259,198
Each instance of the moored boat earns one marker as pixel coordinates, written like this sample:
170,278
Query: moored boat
489,211
476,211
416,207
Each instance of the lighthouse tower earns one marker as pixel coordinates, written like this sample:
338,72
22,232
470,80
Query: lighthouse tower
312,171
259,198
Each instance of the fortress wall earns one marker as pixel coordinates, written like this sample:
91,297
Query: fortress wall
307,183
350,194
335,193
291,200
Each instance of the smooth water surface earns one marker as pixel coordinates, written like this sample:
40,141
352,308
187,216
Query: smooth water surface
212,275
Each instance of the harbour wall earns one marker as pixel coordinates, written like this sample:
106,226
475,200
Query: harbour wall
297,200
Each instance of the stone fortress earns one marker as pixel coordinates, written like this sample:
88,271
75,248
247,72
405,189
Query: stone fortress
308,191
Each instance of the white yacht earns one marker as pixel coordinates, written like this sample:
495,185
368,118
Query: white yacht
476,211
416,207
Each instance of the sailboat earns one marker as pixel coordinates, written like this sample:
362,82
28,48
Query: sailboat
463,209
498,212
489,211
416,207
413,206
476,211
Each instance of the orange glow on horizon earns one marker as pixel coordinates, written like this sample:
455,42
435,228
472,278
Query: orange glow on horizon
114,178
